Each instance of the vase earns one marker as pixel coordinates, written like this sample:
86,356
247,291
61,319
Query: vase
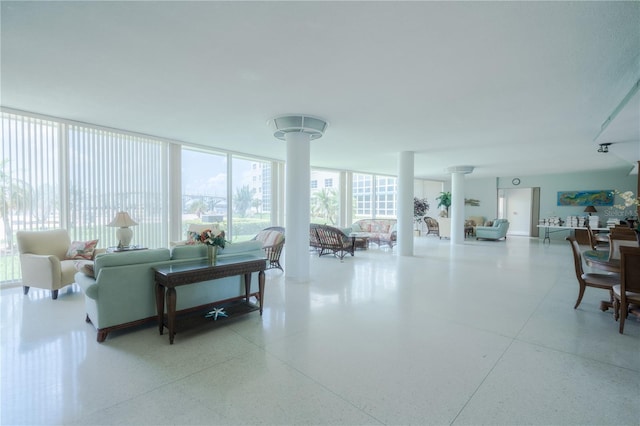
212,254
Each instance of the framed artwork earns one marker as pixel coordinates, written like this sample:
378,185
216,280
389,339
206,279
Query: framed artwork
586,198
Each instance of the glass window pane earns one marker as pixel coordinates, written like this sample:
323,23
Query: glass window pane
362,193
325,198
251,186
204,189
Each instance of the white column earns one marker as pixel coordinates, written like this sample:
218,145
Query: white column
457,208
405,203
297,210
457,202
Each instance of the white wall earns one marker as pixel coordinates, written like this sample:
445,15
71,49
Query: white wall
484,190
550,185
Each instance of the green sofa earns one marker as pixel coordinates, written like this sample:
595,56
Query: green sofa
122,294
495,232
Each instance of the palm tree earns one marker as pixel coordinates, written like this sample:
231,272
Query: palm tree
242,200
16,195
325,203
444,200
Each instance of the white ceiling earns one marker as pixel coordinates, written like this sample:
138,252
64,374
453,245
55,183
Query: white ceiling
511,88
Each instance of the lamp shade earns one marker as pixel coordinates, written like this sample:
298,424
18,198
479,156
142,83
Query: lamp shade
122,220
590,209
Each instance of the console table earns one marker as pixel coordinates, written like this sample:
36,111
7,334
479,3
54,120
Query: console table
169,277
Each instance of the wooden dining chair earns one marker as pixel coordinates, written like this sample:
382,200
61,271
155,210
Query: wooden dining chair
628,291
590,279
597,240
617,240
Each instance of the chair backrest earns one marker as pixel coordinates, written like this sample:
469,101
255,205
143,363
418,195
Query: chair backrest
592,238
630,269
621,240
432,224
54,242
622,231
270,237
577,257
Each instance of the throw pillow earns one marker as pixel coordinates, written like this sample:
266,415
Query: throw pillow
86,267
82,250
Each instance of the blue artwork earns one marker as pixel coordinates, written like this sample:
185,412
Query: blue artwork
586,198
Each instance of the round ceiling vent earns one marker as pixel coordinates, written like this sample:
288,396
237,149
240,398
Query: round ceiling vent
313,126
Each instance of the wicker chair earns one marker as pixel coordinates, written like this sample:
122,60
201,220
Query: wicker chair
272,240
432,226
328,239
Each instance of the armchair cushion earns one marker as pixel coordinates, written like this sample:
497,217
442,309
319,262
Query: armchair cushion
82,250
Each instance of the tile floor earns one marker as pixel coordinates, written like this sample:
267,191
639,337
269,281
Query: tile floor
479,333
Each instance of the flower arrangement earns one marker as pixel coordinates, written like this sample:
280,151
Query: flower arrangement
628,198
208,237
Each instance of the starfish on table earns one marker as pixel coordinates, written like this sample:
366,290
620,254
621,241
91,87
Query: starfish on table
216,313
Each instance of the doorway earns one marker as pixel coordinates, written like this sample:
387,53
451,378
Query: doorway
520,206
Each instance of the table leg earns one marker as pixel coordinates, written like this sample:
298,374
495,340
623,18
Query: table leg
261,289
247,286
160,306
171,313
546,235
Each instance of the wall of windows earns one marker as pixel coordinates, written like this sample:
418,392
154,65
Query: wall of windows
62,174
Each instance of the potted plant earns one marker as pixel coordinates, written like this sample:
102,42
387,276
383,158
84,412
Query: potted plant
444,200
420,209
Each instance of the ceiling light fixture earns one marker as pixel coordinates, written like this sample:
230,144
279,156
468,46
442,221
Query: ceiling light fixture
604,148
313,126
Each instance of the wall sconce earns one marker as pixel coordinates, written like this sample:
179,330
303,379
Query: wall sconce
123,221
604,148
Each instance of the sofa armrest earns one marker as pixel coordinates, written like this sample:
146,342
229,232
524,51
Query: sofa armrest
88,285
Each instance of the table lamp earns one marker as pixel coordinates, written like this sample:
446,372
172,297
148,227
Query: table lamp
123,221
590,209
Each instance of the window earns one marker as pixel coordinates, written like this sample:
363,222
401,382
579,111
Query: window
249,213
386,190
374,196
204,188
111,172
325,201
76,176
362,195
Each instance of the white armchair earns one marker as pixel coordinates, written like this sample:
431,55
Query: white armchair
42,260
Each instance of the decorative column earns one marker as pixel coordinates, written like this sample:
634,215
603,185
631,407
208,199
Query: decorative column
405,203
457,202
297,131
